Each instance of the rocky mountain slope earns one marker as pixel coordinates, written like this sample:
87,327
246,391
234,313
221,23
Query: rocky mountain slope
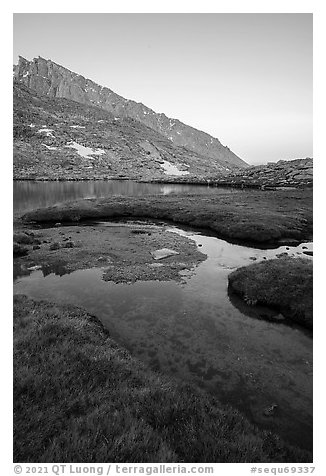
50,79
57,138
284,173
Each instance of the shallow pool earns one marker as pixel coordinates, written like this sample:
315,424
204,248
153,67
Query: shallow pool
196,331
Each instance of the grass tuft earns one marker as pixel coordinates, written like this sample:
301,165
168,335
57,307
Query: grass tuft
285,284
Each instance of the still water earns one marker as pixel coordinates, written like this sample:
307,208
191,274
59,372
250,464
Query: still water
29,195
196,331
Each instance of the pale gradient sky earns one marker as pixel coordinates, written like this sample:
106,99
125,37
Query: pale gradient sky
243,78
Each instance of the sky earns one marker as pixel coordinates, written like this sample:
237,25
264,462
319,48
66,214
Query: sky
243,78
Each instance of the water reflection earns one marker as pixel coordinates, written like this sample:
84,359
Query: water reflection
58,269
29,195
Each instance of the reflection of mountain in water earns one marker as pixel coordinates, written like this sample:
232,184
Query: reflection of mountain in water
58,269
30,194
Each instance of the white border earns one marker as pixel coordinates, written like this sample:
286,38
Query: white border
167,6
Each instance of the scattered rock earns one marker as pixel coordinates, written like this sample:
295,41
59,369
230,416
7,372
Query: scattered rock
69,244
23,239
19,250
269,411
282,255
284,173
308,253
102,258
36,247
57,224
163,253
34,268
54,246
250,301
139,232
278,317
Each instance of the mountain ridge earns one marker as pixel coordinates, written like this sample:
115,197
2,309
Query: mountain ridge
54,80
61,139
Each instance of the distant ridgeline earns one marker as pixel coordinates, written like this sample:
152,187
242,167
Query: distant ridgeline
127,132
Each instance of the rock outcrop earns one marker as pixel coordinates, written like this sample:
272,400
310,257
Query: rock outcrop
282,174
50,79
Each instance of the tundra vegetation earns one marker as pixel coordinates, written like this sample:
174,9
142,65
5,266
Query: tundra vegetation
263,218
284,284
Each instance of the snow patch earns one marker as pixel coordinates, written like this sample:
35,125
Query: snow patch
170,169
49,147
48,132
163,253
26,74
78,127
32,125
85,152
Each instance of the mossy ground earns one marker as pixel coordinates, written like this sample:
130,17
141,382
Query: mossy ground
285,284
261,218
123,250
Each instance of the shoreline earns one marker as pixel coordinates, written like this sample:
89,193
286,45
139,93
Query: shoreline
261,219
213,183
